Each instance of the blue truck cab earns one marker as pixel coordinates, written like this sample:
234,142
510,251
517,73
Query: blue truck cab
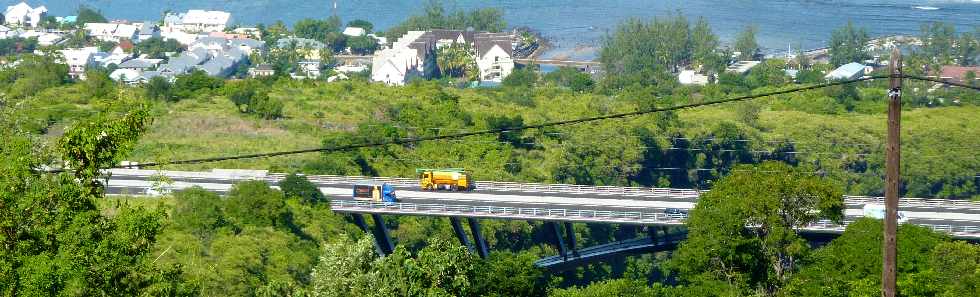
375,192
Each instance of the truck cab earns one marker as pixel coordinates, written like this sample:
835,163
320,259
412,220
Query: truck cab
375,192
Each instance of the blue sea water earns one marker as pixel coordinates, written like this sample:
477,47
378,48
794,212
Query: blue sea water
576,27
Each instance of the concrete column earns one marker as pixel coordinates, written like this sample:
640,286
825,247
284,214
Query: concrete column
381,235
460,233
481,244
570,231
359,221
559,242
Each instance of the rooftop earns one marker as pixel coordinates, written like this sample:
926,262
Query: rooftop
196,16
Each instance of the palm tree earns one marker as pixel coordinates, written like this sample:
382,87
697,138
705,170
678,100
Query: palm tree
456,60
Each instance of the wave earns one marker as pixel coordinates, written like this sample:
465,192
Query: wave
927,7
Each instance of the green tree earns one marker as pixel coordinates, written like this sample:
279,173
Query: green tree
98,85
362,45
968,48
456,60
33,75
198,211
157,48
851,264
745,43
510,274
194,84
646,53
938,42
743,231
847,45
704,47
570,78
615,288
55,239
299,187
89,15
359,23
254,203
316,29
242,93
521,77
435,16
159,88
353,269
265,107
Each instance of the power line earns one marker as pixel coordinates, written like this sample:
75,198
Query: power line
916,77
529,127
499,130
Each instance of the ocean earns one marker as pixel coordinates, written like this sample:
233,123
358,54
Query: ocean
576,27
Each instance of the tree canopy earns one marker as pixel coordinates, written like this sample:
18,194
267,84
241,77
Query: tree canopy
847,44
436,16
743,231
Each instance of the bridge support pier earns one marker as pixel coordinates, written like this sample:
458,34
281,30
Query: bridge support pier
570,231
559,241
460,233
653,230
359,221
381,235
481,244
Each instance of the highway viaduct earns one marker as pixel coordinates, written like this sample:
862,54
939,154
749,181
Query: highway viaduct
558,205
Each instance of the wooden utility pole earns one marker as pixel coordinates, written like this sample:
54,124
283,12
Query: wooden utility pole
892,163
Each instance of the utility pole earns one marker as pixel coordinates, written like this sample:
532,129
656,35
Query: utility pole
892,163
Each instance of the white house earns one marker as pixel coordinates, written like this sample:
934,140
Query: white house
7,32
493,55
128,76
23,15
407,58
690,77
200,21
147,30
355,31
113,32
413,55
43,38
78,60
847,71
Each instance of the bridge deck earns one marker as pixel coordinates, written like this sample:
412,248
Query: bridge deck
615,249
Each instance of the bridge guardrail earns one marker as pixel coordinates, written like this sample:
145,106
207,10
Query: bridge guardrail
531,213
586,215
667,193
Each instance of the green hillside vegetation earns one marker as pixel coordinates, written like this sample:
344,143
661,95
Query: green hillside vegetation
789,154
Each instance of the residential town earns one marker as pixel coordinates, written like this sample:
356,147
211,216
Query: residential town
210,41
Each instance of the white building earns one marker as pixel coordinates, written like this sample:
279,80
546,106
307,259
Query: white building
23,15
413,55
690,77
405,59
43,38
355,31
494,55
7,32
113,32
78,59
847,71
200,21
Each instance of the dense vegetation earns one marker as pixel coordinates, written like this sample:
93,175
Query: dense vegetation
770,161
436,16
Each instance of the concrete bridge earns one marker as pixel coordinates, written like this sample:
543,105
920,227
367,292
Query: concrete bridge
554,204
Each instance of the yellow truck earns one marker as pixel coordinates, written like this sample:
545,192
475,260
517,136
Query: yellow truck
449,179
